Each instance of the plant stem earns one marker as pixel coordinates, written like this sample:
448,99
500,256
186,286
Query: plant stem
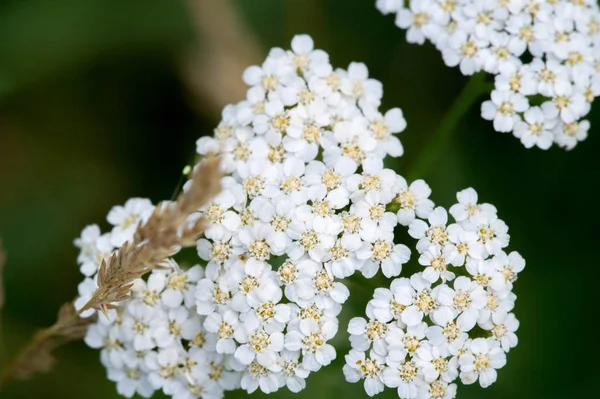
475,86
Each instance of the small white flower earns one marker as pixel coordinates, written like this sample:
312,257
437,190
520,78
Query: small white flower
382,252
358,367
536,129
363,334
438,259
481,362
260,345
435,362
127,217
433,233
503,109
224,327
465,300
164,370
311,340
139,323
358,85
171,328
413,201
407,377
467,206
503,326
567,135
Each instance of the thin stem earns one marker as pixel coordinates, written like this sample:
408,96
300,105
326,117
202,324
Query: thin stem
439,140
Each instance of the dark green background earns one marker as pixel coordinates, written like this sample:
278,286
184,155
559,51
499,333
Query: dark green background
93,111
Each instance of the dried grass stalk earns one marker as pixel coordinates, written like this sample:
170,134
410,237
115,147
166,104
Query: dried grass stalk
165,233
168,229
37,356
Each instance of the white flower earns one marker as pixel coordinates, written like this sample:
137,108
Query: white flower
407,377
464,51
467,206
465,300
375,220
306,130
93,248
418,299
139,323
492,232
260,345
164,370
382,252
567,135
417,19
503,326
268,313
180,287
358,85
435,362
500,52
308,240
413,201
466,244
503,109
222,220
485,274
358,367
293,373
224,326
108,338
257,376
171,327
388,6
402,343
383,128
438,390
509,265
210,295
433,234
130,380
342,262
270,75
536,130
384,306
318,285
260,244
481,361
308,60
363,334
373,179
568,102
311,340
127,217
438,259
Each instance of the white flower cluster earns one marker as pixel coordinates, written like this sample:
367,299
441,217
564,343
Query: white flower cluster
544,54
451,320
306,201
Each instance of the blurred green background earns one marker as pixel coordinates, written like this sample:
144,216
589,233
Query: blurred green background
98,104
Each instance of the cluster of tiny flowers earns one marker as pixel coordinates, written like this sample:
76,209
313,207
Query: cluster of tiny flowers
544,54
306,201
452,320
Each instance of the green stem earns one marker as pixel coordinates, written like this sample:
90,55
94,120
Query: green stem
439,140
